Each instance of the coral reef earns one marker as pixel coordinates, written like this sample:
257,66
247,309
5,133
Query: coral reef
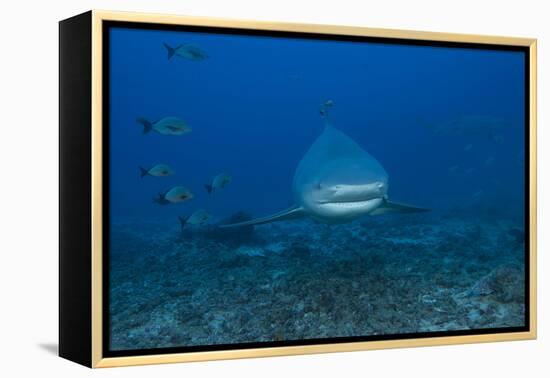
302,280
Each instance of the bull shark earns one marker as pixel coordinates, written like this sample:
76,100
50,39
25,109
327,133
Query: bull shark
337,182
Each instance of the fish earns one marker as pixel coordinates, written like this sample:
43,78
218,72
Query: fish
294,76
468,147
328,103
489,161
453,168
189,52
178,194
498,138
336,181
219,182
198,218
478,193
323,111
471,125
165,126
159,170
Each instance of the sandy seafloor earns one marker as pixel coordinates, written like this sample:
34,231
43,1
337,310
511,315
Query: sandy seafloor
302,280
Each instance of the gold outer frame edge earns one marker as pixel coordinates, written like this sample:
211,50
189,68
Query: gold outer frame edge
97,302
533,187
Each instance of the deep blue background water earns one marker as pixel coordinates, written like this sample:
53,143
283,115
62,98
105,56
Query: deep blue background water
254,104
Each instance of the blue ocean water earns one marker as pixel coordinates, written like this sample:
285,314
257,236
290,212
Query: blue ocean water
447,124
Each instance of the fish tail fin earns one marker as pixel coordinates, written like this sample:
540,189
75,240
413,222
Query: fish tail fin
183,221
171,51
161,199
143,172
147,125
209,188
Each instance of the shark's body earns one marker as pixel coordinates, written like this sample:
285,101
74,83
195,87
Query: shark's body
336,182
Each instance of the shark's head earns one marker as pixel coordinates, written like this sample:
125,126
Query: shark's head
343,190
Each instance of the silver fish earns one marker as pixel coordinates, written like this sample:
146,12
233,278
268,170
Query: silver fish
159,170
219,182
199,217
189,52
178,194
165,126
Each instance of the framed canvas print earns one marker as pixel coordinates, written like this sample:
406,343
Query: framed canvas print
236,189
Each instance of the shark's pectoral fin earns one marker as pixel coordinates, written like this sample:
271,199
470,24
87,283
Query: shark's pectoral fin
291,213
394,207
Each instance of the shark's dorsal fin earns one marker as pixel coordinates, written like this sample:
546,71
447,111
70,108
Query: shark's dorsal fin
294,212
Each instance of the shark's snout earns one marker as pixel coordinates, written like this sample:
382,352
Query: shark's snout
342,193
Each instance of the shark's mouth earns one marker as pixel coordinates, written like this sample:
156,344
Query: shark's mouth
349,201
344,211
365,205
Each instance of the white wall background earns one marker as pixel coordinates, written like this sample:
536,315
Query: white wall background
28,186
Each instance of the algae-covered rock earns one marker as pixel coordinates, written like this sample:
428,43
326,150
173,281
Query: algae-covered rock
232,236
505,283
